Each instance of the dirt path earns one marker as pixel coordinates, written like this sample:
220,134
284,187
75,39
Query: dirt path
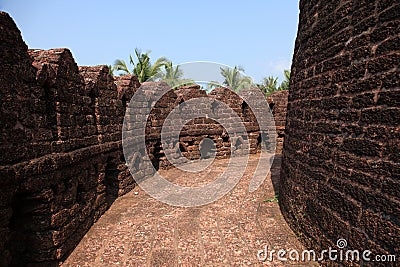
140,231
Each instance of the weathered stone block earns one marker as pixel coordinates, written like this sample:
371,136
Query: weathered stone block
341,142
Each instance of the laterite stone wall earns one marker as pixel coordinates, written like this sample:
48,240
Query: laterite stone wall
61,160
278,104
340,174
194,131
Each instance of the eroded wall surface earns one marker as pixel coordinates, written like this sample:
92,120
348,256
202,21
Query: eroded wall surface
341,167
278,104
61,162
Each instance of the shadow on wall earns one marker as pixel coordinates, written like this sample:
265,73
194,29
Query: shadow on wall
111,180
60,149
340,168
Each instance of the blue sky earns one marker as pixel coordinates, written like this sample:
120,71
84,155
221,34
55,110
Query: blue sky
258,35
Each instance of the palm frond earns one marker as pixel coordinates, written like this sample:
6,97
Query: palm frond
234,79
120,65
214,84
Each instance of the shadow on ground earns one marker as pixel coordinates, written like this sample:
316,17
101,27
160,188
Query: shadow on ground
141,231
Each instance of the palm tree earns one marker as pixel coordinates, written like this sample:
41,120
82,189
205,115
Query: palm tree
110,70
270,84
172,75
171,72
143,68
233,79
285,83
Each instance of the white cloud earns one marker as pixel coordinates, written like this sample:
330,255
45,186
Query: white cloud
277,67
